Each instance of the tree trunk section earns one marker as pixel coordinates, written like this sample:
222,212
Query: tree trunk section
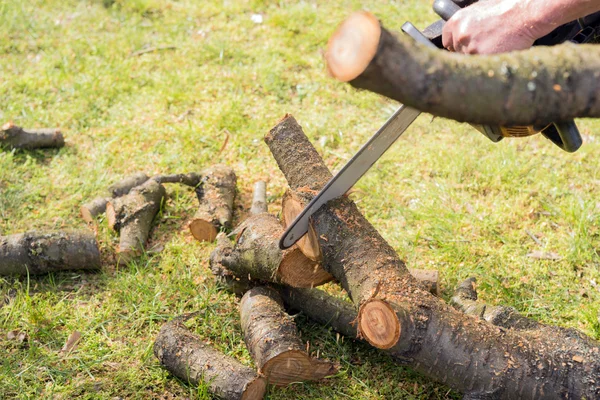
14,137
531,87
39,253
273,340
215,194
397,313
132,215
256,253
187,357
89,211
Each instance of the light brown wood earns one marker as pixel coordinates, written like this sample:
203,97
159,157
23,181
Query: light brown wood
291,206
379,324
203,230
352,47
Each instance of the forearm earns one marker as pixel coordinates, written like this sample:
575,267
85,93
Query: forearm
546,15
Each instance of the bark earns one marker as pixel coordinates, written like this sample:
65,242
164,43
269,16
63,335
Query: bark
259,199
14,137
132,215
187,357
190,179
556,83
256,253
468,354
273,340
89,211
215,192
39,253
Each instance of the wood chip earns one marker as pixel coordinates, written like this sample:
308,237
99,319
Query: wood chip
544,255
71,342
578,359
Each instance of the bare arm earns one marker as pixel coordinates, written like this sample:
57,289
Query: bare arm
496,26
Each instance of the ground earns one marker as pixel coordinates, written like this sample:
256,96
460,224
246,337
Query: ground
218,79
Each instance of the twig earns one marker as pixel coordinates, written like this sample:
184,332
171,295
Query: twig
151,50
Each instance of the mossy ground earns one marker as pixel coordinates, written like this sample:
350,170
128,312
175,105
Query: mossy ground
444,196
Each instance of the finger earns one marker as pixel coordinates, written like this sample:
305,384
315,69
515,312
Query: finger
447,40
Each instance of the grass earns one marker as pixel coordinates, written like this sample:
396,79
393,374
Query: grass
444,196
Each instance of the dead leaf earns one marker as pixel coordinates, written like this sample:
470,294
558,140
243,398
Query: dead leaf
544,255
18,336
71,342
578,359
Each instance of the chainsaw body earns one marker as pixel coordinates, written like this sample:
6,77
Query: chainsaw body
563,134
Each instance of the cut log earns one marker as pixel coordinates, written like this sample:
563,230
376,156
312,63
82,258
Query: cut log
429,278
259,199
256,253
39,253
15,137
190,179
187,357
215,192
273,340
89,211
492,89
397,313
132,215
292,204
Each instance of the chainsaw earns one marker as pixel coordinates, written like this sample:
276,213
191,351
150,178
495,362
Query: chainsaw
564,134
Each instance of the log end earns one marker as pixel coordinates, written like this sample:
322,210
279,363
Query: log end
256,389
291,207
111,215
203,230
297,270
295,366
378,324
86,214
353,45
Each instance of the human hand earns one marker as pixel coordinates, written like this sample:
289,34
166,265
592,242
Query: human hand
492,26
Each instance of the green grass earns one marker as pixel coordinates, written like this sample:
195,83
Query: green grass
444,196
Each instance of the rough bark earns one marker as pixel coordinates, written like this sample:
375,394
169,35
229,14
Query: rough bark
15,137
132,215
89,211
273,340
187,357
256,253
468,354
531,87
215,192
39,253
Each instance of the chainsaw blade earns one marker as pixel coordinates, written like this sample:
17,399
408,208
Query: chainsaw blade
351,172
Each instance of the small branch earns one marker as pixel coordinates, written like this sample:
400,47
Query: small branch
190,179
259,199
151,50
15,137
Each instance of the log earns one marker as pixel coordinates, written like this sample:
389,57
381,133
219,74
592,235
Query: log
256,253
132,215
215,192
189,358
273,340
15,137
556,83
39,252
89,211
396,313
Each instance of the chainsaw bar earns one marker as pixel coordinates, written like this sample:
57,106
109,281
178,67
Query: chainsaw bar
352,171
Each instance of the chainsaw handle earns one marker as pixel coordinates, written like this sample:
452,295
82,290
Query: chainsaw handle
445,8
